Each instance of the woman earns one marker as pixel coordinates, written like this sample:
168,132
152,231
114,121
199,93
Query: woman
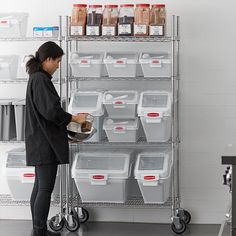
45,131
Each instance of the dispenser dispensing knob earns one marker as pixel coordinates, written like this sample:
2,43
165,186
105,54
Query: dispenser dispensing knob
224,180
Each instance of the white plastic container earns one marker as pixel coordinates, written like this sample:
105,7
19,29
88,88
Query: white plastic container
86,64
154,110
121,64
89,102
13,25
101,176
121,130
8,127
121,104
155,64
20,178
8,67
19,107
153,173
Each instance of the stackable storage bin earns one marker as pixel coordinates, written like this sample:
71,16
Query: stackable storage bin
7,120
154,110
89,102
19,107
101,176
121,130
121,104
121,64
8,67
86,64
20,178
13,25
155,64
153,173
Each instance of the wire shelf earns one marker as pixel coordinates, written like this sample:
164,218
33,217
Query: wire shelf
122,39
27,39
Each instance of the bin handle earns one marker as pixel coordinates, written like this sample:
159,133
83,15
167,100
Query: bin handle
29,175
98,179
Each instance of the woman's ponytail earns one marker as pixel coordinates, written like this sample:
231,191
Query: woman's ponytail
33,64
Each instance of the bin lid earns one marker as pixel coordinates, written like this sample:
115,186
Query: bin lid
86,58
121,58
13,17
154,58
152,163
119,124
154,102
16,158
6,101
87,102
109,164
120,97
19,102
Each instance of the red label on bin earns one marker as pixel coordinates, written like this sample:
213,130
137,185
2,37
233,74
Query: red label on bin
119,128
84,62
120,62
29,175
149,177
153,114
155,62
118,102
3,21
98,177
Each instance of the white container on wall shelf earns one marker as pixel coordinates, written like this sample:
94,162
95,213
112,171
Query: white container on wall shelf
13,25
8,67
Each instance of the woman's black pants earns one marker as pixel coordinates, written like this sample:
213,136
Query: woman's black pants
45,176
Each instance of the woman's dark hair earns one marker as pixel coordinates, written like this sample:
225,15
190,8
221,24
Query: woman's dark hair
46,50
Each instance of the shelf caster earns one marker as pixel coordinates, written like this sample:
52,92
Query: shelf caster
184,215
72,223
82,214
178,225
56,223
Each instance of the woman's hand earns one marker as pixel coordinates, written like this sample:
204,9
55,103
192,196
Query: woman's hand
79,118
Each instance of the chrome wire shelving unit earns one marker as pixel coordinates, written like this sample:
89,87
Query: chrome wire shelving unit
179,217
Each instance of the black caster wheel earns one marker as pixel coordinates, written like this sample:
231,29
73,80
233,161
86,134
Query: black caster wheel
85,216
181,229
186,217
54,225
75,225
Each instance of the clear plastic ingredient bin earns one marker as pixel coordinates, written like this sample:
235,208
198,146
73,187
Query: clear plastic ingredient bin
8,67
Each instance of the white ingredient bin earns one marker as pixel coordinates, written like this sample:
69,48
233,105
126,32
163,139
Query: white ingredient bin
121,64
89,102
20,178
101,176
7,119
86,64
13,25
8,67
121,104
154,110
155,64
153,173
19,107
121,130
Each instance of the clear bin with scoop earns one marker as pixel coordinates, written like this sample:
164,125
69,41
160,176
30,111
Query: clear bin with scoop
121,104
101,176
121,130
19,107
121,64
13,24
89,102
86,64
154,110
153,173
155,64
20,178
8,67
7,120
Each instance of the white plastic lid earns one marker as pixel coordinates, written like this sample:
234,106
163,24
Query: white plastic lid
19,102
118,124
6,101
86,102
98,164
150,164
120,97
154,104
86,58
16,158
154,58
121,58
